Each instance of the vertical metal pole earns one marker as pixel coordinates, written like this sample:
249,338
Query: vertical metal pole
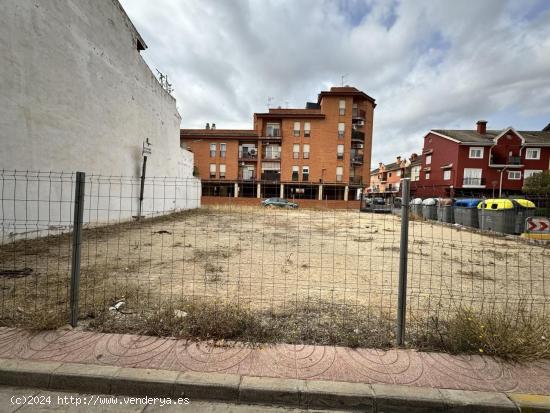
403,252
77,241
142,186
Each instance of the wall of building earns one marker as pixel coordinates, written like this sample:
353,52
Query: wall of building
76,94
302,203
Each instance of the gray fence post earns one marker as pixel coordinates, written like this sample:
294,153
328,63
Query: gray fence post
76,243
403,252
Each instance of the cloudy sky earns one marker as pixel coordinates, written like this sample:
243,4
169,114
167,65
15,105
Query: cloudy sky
428,63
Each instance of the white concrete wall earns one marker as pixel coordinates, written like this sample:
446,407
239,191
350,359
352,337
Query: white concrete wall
75,95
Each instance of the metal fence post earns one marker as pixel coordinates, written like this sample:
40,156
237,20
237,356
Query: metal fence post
76,243
403,252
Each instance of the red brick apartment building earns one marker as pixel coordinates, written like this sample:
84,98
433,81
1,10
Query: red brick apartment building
321,152
480,161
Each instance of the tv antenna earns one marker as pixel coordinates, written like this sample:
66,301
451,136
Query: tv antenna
343,77
269,100
163,80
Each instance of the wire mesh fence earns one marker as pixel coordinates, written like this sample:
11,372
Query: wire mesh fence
249,272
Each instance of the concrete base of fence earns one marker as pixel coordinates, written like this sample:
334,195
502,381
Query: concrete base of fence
86,378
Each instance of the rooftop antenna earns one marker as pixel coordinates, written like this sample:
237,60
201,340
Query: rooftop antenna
343,77
286,103
269,100
163,80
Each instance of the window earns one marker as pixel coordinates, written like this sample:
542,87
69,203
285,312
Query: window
212,150
428,159
415,173
212,170
389,174
339,173
447,175
472,176
398,172
222,170
530,172
272,152
296,151
306,151
273,129
305,173
427,175
532,153
295,170
340,152
222,149
476,153
514,175
341,130
342,107
296,128
307,129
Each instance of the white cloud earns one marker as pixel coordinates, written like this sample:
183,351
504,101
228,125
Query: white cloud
428,63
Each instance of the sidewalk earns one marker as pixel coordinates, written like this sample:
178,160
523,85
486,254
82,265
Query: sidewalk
420,372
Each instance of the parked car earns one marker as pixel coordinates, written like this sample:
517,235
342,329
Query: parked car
278,202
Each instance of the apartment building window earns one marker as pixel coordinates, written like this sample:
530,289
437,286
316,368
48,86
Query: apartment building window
514,175
212,170
389,174
341,130
342,107
476,153
272,152
532,153
398,172
427,175
415,173
472,176
307,129
528,173
223,148
305,173
296,128
339,173
222,170
212,150
273,129
295,172
296,151
428,159
340,152
447,175
306,151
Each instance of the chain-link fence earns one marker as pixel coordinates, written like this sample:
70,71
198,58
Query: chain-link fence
253,272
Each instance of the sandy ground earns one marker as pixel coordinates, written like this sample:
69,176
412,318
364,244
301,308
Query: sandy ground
274,259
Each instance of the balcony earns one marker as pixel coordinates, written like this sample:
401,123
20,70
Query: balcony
510,161
357,159
357,136
273,176
276,157
472,182
250,155
247,175
355,180
358,114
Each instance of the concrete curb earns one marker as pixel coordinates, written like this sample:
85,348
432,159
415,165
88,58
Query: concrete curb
376,398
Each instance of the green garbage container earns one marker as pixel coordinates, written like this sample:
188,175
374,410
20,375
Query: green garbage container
525,209
466,212
429,209
445,211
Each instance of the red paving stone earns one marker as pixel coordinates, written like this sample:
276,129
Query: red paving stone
393,366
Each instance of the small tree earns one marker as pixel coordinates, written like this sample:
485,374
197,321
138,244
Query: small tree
537,184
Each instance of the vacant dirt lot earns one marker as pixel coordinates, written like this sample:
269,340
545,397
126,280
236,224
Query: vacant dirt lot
276,259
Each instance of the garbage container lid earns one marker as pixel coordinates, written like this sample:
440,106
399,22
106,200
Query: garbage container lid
525,203
429,201
467,203
417,201
445,201
496,204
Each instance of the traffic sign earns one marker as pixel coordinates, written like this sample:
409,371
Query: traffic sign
538,225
